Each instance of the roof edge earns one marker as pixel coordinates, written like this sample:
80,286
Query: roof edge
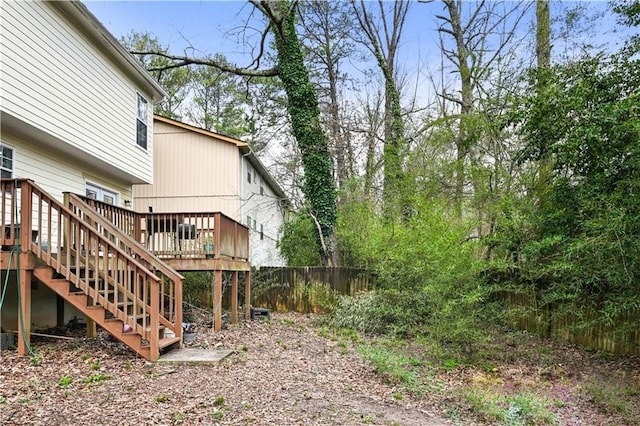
229,139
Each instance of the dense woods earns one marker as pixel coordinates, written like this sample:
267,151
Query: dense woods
515,172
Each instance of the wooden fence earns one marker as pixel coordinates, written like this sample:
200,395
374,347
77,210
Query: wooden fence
305,289
621,335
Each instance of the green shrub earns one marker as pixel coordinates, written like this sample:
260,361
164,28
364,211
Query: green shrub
385,311
428,270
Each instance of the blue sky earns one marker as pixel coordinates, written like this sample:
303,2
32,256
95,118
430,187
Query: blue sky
208,26
205,24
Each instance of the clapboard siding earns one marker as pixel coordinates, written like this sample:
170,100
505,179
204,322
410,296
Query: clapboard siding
193,172
56,173
266,209
56,80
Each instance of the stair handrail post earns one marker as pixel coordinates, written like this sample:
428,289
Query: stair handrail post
26,211
178,308
154,335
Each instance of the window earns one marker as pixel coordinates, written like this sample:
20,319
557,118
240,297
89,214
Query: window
7,161
249,221
142,117
261,189
261,231
249,175
101,194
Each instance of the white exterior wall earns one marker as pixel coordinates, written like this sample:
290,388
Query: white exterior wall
266,211
54,173
68,111
55,80
57,173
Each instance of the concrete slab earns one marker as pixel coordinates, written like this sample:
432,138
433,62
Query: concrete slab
194,356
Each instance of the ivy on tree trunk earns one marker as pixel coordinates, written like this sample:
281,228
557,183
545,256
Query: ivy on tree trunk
302,106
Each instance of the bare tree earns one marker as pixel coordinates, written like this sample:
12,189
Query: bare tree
382,30
302,107
473,40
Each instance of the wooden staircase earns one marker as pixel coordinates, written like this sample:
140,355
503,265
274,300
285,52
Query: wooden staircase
95,266
104,317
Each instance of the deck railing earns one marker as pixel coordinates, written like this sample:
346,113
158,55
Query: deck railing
180,235
170,280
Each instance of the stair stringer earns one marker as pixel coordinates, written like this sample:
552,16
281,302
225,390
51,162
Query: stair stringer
85,304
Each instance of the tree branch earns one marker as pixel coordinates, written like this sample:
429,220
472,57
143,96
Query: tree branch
182,61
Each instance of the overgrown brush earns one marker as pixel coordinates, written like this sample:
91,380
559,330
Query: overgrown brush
428,270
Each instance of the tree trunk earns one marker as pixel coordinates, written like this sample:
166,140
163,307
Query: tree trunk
384,45
466,102
302,106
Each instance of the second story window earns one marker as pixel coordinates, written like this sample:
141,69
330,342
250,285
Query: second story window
6,163
249,176
141,121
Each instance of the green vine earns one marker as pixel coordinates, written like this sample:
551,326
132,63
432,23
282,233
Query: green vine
302,106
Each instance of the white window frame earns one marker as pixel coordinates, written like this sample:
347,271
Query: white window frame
10,170
142,118
102,193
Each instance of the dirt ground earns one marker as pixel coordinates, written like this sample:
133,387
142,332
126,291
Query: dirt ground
282,372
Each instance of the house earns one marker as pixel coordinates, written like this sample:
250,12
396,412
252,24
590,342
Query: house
199,170
76,135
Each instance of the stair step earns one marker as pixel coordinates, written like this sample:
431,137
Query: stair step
75,292
163,343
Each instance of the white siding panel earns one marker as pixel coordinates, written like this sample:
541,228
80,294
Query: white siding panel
55,173
54,79
265,209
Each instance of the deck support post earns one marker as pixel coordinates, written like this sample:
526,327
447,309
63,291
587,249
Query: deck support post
92,329
24,319
217,300
247,295
234,298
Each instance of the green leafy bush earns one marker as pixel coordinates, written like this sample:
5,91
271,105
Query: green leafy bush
427,266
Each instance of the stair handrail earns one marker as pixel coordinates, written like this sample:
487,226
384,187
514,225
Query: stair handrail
35,248
141,251
28,189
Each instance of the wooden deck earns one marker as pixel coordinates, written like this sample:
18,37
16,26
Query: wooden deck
190,241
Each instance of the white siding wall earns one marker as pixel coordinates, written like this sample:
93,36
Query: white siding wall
268,215
56,173
54,79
